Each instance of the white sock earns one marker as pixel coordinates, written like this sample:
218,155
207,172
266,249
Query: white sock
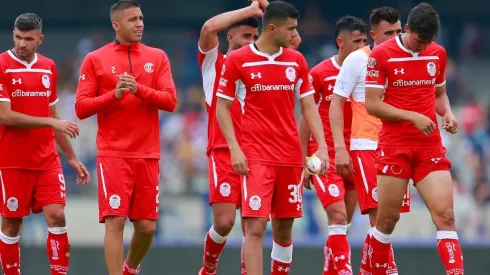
447,235
281,253
381,237
337,229
57,230
216,237
8,240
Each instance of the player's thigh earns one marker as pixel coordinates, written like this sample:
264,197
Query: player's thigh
436,189
49,189
329,188
287,201
257,191
428,160
115,186
17,188
224,183
365,179
391,191
145,199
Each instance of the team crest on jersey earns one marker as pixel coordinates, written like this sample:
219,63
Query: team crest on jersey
45,80
371,62
255,202
225,189
149,68
431,68
115,201
291,74
12,204
375,194
223,69
333,190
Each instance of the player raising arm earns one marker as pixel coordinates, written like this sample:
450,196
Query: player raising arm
224,183
30,168
409,73
126,83
336,193
363,142
271,161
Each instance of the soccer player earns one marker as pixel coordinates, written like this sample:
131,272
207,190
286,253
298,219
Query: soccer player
335,192
350,85
406,88
30,169
224,183
271,160
125,83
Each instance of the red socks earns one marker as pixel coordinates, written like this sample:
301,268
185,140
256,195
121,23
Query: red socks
130,271
10,254
282,256
450,252
242,259
339,249
366,253
380,243
213,246
58,248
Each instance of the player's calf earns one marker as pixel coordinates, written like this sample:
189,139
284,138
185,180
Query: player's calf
57,243
113,244
144,230
282,248
9,245
252,249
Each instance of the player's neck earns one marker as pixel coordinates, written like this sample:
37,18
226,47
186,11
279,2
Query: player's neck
340,57
266,45
403,39
27,59
122,41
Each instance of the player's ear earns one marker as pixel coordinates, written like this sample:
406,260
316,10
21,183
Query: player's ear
115,26
41,38
229,36
407,29
372,34
339,42
271,28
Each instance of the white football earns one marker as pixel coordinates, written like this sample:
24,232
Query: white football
314,164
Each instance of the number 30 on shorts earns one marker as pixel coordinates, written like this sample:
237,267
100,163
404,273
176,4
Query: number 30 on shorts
296,193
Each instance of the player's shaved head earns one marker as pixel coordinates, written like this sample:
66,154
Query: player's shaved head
350,25
278,12
28,22
387,14
122,5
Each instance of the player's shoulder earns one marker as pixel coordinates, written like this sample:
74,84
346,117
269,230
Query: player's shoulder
359,55
152,50
435,49
291,53
244,52
44,61
326,66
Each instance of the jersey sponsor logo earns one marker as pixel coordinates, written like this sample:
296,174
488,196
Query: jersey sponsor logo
149,68
328,98
371,62
45,81
264,88
16,81
431,68
257,75
291,74
20,93
407,83
223,82
373,73
399,71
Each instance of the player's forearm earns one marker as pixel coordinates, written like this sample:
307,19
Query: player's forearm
223,21
64,144
304,136
336,114
226,124
314,122
86,107
165,100
18,120
443,105
386,111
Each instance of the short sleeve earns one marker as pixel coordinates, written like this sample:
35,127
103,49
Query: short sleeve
229,76
376,71
4,93
349,75
53,98
441,78
304,86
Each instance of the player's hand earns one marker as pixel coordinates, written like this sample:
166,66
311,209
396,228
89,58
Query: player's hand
423,123
322,154
128,82
256,10
120,89
306,179
81,170
263,3
343,162
66,127
239,162
450,123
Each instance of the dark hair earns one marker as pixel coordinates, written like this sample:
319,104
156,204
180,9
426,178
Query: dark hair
28,22
279,10
251,21
387,14
424,21
350,24
124,4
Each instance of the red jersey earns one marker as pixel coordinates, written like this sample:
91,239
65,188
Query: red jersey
323,77
269,134
211,63
31,89
409,80
129,127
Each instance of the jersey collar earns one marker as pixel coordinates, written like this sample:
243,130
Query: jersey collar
399,42
119,46
268,56
28,65
334,62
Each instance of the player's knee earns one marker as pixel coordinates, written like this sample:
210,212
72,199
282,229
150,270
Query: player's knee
388,221
114,224
282,230
11,226
223,224
444,219
336,214
146,228
56,217
255,229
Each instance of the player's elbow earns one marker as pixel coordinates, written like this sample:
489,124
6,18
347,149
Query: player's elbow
172,105
80,111
208,27
371,106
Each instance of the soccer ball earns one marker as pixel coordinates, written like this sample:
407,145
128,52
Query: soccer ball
314,164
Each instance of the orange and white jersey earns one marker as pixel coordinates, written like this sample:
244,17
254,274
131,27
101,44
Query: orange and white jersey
351,83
